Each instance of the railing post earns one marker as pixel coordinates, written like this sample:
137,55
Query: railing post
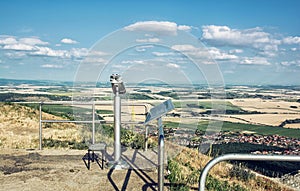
93,124
160,155
40,128
146,128
146,138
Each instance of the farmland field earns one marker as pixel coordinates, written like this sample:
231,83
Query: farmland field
196,114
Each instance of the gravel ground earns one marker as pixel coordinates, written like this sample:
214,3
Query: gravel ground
65,170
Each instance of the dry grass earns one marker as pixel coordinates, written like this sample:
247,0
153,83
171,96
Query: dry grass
190,158
19,127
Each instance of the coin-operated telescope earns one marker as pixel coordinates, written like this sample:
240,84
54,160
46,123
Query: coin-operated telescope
117,84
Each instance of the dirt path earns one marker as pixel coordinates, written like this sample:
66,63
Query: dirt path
65,170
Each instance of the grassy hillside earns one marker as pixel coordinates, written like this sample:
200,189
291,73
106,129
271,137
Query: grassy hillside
184,170
19,127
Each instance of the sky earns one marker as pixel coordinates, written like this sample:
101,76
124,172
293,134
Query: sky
253,42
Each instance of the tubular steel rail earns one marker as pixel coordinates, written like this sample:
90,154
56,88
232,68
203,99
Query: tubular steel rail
93,121
161,152
242,157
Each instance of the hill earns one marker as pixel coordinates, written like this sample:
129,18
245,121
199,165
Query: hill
19,127
58,169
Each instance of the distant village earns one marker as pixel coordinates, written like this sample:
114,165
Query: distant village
291,146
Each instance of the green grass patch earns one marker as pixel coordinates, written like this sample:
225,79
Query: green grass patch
261,129
50,143
65,111
137,96
209,105
169,94
104,112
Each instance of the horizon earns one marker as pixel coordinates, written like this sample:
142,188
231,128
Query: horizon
61,82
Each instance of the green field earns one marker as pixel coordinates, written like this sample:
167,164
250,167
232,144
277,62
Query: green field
69,112
209,105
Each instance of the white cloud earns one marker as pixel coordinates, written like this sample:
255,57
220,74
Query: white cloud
192,51
219,55
97,53
46,51
133,62
159,27
92,56
255,61
94,60
33,46
291,40
290,63
184,47
228,36
184,28
19,46
79,52
51,66
163,53
293,49
212,52
172,65
32,41
73,53
15,54
7,40
236,51
253,38
143,48
22,44
120,66
148,40
68,41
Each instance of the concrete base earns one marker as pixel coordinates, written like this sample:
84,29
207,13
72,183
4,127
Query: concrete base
120,165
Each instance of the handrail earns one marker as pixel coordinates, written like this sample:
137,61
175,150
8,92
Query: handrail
93,121
242,157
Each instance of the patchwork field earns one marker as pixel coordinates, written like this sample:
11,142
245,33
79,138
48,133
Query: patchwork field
249,111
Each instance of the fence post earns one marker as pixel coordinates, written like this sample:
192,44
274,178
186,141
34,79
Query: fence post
40,129
93,124
146,138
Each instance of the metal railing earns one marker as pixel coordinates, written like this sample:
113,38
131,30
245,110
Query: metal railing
242,157
161,153
93,121
204,173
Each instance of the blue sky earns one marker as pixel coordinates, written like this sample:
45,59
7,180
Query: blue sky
252,42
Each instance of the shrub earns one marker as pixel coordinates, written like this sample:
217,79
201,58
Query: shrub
50,142
176,177
241,173
216,185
